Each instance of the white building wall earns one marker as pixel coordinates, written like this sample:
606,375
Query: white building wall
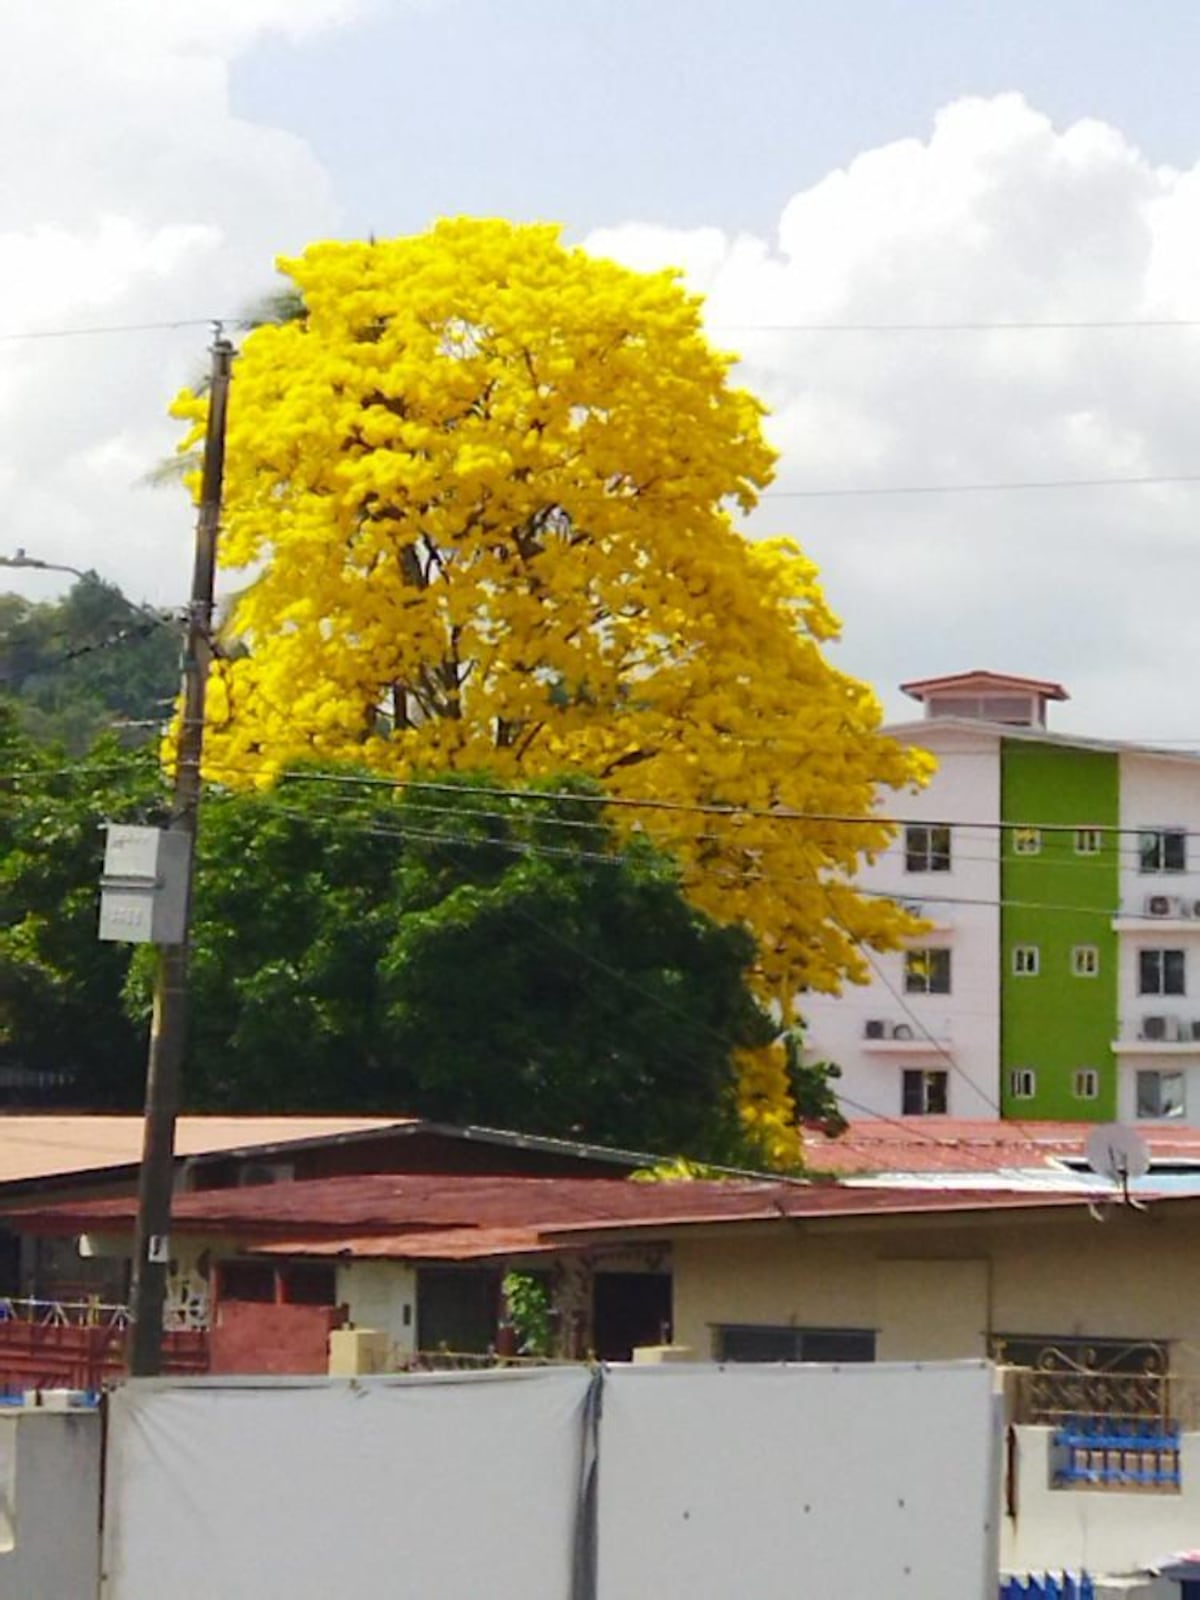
964,903
1158,791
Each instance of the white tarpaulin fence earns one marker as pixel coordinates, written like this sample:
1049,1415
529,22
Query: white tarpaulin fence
667,1483
850,1483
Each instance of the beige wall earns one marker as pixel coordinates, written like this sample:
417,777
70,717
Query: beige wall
382,1295
935,1289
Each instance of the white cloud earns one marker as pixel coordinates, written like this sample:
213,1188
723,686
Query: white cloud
997,216
130,192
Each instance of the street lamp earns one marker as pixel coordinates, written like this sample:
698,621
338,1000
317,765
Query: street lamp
20,559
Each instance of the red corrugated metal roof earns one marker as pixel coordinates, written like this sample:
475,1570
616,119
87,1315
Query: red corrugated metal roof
429,1216
950,1144
437,1244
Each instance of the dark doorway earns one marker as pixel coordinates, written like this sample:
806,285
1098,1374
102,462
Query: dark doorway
457,1309
628,1309
10,1262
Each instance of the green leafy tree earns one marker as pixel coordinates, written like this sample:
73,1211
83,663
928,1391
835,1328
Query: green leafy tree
474,958
81,665
812,1086
61,1006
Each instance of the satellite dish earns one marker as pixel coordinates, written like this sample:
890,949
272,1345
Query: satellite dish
1118,1154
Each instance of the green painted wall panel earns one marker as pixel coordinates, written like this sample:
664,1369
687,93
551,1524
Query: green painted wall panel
1056,1022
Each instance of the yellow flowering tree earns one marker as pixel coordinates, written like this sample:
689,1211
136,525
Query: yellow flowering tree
484,487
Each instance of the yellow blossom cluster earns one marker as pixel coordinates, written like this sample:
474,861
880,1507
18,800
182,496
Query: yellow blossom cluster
484,487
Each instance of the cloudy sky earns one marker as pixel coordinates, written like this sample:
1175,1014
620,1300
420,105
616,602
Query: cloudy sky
953,239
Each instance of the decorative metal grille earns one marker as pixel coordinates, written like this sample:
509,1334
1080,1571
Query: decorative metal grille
1066,1381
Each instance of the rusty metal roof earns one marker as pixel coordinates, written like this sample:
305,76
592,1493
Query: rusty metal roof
457,1216
38,1147
956,1145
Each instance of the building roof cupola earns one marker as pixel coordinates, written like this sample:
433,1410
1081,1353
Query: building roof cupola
987,697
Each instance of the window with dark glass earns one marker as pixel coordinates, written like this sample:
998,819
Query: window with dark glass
754,1342
1162,850
1161,972
924,1092
1160,1094
927,847
927,971
1022,1083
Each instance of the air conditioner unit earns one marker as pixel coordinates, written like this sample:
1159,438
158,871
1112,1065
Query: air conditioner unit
1194,1028
1163,905
902,1030
1159,1029
876,1028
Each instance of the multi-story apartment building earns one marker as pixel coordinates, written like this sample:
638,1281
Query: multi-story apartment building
1059,976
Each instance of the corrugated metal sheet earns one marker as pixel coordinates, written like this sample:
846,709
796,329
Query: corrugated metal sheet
949,1144
440,1216
45,1146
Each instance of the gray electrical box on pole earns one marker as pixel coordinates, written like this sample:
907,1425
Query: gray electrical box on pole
143,893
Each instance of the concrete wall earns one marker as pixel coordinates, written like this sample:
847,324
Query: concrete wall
939,1287
963,904
1100,1530
49,1505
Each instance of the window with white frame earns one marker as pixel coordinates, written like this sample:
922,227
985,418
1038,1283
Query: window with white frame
1022,1083
924,1092
1026,841
1085,961
1086,1083
927,971
927,847
1089,841
1025,960
1162,850
1162,972
1160,1094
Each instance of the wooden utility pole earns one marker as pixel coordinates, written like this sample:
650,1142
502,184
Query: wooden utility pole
168,1029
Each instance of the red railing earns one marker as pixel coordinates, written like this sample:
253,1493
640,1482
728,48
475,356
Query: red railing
52,1344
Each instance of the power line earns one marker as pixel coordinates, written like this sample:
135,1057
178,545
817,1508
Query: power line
923,890
619,976
923,893
902,896
1009,325
1011,486
21,336
918,1021
782,814
1083,325
341,819
624,978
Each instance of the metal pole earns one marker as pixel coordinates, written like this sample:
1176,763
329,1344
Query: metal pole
169,1025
